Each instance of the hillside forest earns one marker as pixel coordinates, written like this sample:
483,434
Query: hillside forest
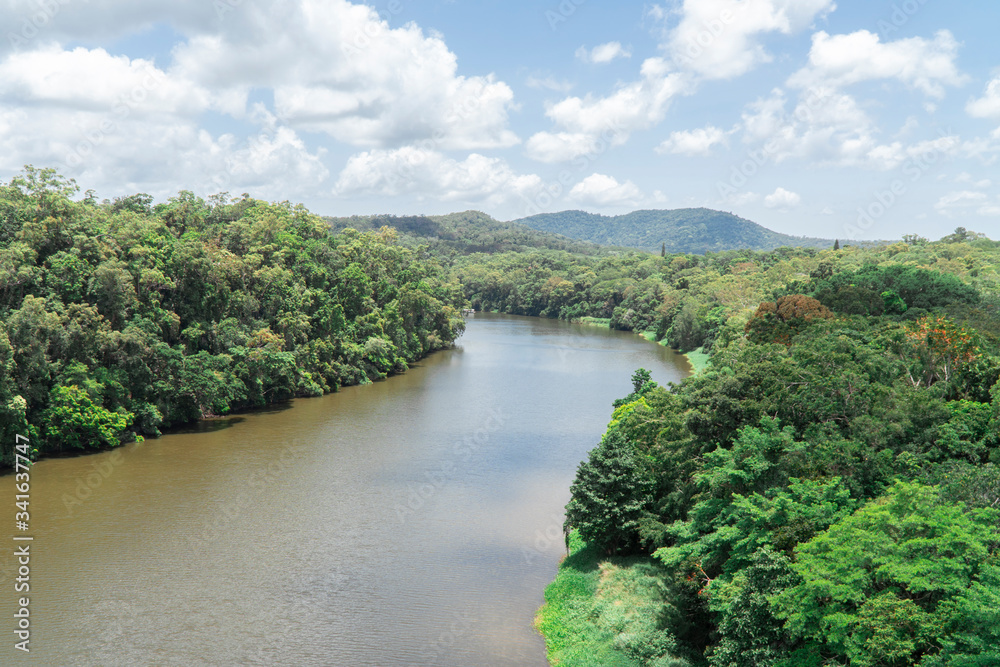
119,319
826,492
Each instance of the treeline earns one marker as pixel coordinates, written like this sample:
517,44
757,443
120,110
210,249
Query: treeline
689,301
120,318
455,234
828,491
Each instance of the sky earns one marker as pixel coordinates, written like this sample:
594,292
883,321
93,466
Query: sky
856,119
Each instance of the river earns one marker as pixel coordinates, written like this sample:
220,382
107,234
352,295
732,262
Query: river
414,521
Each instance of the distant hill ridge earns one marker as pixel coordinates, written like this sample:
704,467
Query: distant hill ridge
683,230
468,232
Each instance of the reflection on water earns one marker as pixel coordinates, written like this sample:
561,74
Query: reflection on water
414,521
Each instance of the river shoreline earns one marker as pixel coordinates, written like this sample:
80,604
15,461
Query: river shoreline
478,443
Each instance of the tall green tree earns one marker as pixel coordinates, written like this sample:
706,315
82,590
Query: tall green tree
610,496
908,579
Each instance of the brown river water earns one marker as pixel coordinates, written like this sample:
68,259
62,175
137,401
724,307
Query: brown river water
414,521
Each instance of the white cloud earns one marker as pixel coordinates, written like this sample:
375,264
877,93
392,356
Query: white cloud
829,127
891,156
693,142
124,155
115,122
603,53
429,175
610,120
27,22
125,125
721,39
841,60
782,199
966,177
338,68
987,106
715,39
742,198
961,200
94,80
603,190
548,82
966,202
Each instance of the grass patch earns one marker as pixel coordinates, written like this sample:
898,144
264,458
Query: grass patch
649,334
593,321
606,612
698,360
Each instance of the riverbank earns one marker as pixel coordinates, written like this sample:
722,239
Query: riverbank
698,358
605,612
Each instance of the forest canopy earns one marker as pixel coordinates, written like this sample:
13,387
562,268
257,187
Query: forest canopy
122,318
827,492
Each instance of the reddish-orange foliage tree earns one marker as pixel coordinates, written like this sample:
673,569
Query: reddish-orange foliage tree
934,348
778,322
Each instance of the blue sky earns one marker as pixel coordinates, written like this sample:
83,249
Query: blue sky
850,120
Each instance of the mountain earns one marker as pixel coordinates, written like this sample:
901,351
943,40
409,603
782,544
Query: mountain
683,230
467,232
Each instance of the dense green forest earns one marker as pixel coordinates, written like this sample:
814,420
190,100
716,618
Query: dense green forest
827,492
691,300
683,230
468,232
120,318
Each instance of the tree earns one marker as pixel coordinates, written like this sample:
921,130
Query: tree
780,321
749,635
663,249
609,496
642,383
909,578
836,244
935,348
73,420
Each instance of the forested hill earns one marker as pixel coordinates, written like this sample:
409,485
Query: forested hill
121,318
467,232
683,230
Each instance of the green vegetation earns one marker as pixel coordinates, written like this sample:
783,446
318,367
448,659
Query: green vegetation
698,359
605,612
119,319
604,322
827,490
684,230
466,233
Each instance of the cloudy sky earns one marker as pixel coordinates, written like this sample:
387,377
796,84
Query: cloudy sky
854,119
